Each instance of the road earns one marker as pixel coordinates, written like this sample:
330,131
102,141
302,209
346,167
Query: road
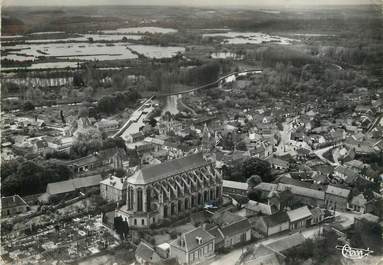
347,219
319,153
136,120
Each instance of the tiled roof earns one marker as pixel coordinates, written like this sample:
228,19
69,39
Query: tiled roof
191,239
225,218
359,200
301,191
316,211
337,191
258,207
154,173
146,252
73,184
235,185
114,182
276,219
236,228
299,214
217,233
264,186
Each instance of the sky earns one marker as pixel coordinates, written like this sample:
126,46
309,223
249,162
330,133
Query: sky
186,2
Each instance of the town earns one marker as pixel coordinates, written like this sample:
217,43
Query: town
188,147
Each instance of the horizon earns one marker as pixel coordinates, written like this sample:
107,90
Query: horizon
183,3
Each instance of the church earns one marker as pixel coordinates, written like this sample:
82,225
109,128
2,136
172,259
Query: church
170,189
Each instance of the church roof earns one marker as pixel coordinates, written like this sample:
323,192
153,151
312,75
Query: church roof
169,168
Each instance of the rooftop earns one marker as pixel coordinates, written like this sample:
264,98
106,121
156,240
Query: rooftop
337,191
299,214
189,240
235,185
276,219
73,184
117,183
169,168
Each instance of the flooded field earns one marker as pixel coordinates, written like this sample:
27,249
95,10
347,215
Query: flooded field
233,37
50,65
88,51
101,46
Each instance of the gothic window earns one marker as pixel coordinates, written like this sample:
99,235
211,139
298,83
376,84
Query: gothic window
139,200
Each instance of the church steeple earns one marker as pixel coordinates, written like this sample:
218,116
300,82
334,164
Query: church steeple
205,138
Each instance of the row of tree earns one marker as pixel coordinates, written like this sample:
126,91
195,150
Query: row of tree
117,102
25,177
243,170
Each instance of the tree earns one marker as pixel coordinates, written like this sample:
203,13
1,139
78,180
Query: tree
121,227
83,112
27,106
120,172
253,181
367,235
153,122
256,166
77,80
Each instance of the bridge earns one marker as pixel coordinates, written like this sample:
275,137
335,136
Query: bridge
214,83
141,112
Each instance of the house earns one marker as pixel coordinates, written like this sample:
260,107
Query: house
346,174
361,205
303,154
254,208
135,137
13,205
40,147
107,125
362,109
113,189
272,224
57,190
317,215
336,198
299,218
62,144
235,187
235,229
146,255
277,163
112,157
304,195
219,237
356,165
193,247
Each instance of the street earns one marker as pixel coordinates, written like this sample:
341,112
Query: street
347,219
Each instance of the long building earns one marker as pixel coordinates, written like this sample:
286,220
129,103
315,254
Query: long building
170,189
